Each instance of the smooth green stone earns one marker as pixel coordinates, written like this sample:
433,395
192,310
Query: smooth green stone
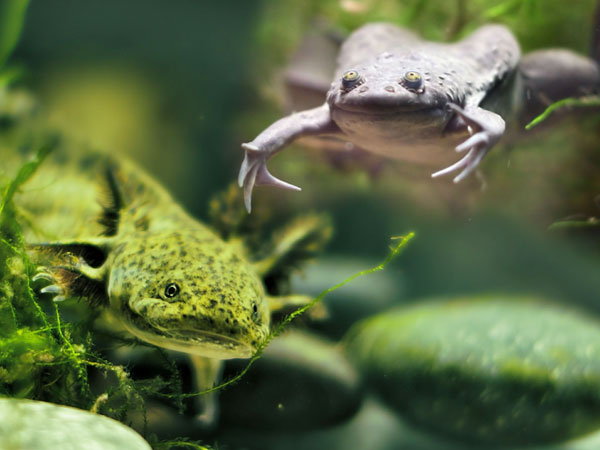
497,370
34,425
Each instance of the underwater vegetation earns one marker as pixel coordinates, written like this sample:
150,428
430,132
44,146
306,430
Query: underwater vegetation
484,334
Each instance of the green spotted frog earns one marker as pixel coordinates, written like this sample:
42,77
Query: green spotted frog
167,278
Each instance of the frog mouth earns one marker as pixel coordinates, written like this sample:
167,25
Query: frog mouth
383,108
149,320
380,104
193,341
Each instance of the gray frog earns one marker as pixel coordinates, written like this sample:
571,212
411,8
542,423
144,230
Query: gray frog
397,95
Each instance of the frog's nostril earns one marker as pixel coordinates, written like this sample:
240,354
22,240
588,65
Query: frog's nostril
363,89
390,89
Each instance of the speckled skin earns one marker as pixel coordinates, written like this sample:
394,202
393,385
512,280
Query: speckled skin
384,117
220,310
467,89
146,243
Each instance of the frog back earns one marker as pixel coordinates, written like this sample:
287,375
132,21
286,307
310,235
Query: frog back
62,200
70,194
460,72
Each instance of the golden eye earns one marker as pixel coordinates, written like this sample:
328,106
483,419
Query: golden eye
351,75
351,79
171,290
412,80
412,76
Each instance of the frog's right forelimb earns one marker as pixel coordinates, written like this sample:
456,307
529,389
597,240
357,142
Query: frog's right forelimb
254,171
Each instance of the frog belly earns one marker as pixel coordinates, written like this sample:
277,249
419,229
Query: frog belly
416,137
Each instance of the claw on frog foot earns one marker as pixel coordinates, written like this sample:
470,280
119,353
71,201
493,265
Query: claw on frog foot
42,275
52,289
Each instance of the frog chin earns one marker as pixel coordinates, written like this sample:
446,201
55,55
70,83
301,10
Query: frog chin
200,342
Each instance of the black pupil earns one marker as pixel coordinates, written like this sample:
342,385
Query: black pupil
171,290
254,308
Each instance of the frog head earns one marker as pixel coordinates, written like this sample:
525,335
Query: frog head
188,291
183,289
388,84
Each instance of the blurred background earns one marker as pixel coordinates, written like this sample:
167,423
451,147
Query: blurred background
177,85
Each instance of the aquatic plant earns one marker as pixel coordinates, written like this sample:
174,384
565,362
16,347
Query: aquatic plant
42,356
591,101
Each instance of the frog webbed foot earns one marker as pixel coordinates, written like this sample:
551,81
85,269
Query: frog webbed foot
488,128
254,171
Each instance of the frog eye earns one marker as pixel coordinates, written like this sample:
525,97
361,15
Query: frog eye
351,79
412,80
171,290
255,315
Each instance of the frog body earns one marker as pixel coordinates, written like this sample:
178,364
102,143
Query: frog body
166,277
397,95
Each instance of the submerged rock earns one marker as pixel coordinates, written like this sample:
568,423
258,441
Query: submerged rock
507,371
301,382
33,425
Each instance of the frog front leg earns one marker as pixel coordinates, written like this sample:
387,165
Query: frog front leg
486,129
254,167
76,270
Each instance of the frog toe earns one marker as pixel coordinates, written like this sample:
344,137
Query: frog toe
43,274
470,165
478,140
457,165
250,155
254,172
247,176
55,290
264,177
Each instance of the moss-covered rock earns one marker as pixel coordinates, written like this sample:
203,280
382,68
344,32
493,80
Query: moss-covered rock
496,370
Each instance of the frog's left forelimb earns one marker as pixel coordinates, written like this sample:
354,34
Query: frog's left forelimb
275,138
489,128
